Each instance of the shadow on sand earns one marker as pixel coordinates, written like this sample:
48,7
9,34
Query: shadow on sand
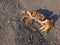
49,14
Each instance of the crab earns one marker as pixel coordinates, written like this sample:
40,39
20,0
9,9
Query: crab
28,17
40,18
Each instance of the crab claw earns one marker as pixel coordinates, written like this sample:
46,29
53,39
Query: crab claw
22,12
25,12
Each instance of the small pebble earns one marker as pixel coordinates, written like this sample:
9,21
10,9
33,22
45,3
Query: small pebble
19,36
8,21
28,40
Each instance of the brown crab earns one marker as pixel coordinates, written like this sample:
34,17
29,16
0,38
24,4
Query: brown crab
40,18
